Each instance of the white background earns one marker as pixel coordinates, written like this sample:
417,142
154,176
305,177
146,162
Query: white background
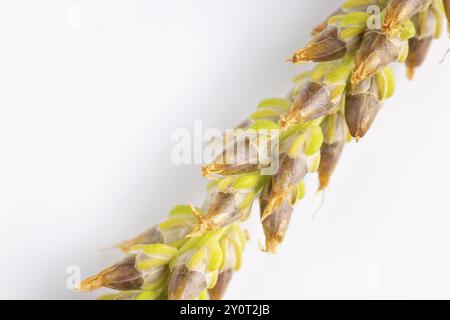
86,114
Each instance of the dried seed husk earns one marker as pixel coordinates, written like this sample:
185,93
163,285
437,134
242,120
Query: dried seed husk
172,231
223,280
152,261
320,91
240,156
249,150
120,276
362,106
291,172
331,76
275,225
428,26
224,209
398,11
313,101
329,158
343,33
146,269
186,284
189,270
376,52
268,113
230,201
335,133
297,157
325,46
418,50
180,223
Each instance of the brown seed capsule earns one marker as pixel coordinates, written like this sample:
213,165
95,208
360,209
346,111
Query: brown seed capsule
121,276
418,49
334,130
150,236
223,280
361,107
427,27
447,13
312,102
326,46
186,284
376,52
398,11
290,173
329,158
240,156
222,209
276,224
245,153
